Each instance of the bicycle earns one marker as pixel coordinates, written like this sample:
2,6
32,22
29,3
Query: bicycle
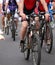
32,41
46,33
13,25
7,24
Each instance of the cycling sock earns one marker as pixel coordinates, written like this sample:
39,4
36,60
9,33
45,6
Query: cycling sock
22,41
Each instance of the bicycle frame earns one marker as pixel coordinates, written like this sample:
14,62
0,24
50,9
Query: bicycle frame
31,29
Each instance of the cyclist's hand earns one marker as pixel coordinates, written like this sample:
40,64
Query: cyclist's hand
23,15
47,16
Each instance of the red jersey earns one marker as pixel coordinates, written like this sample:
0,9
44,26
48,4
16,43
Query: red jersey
41,8
29,4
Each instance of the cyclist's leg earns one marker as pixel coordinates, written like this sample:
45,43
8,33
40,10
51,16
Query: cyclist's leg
3,23
3,16
22,34
23,29
24,25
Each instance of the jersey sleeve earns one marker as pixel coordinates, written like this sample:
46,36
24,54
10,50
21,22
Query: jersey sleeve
1,1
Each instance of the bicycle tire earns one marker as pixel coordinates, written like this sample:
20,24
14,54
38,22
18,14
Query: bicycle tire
7,30
41,36
27,51
36,51
13,30
49,48
13,35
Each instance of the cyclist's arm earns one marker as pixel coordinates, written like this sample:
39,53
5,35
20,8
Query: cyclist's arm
17,1
1,1
21,6
53,3
37,4
6,5
43,2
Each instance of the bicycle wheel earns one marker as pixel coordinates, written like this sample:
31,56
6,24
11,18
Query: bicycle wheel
36,49
13,35
41,33
27,50
7,30
48,38
13,30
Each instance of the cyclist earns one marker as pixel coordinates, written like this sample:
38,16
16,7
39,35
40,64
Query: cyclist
51,7
2,6
3,9
26,7
1,1
12,6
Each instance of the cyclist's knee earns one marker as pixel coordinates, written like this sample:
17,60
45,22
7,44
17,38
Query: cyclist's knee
24,24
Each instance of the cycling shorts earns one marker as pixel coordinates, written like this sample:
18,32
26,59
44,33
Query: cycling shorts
28,12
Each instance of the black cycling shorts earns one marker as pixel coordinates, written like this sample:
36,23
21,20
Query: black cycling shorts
27,12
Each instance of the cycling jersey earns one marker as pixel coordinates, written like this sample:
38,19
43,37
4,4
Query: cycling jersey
29,4
41,8
12,5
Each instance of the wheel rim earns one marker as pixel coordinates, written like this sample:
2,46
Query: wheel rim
48,38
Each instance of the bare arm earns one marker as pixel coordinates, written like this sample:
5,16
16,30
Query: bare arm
0,7
1,1
44,5
21,6
53,3
6,4
17,1
37,4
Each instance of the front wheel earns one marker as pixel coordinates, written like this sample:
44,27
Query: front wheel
27,51
13,35
7,30
27,54
36,49
48,38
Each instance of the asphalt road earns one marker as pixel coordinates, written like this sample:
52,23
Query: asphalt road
10,52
